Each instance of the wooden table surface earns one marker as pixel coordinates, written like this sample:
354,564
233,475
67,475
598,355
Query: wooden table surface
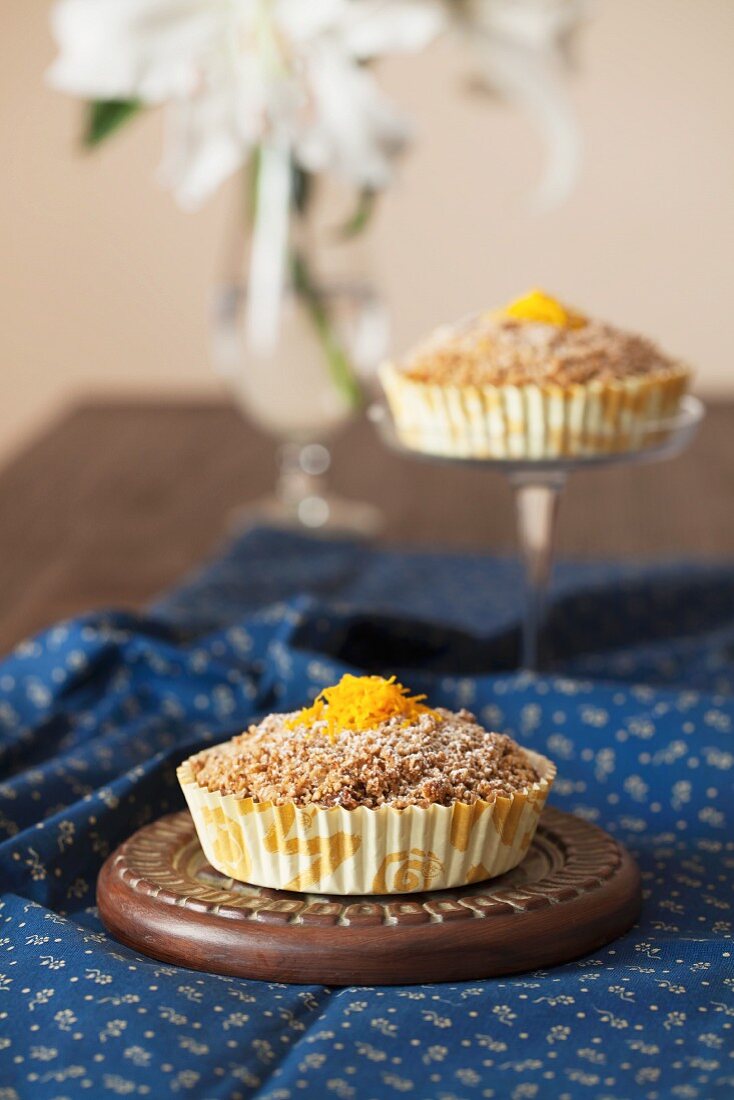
116,501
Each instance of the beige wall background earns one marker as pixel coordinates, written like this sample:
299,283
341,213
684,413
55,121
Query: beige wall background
105,283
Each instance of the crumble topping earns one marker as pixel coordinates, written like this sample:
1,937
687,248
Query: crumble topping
535,339
438,757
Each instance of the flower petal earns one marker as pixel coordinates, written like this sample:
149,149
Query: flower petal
203,147
371,28
533,79
304,21
148,49
538,23
355,130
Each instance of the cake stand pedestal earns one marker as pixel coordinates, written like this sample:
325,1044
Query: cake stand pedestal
537,486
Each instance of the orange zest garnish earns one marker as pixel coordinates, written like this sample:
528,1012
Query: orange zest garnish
360,703
537,307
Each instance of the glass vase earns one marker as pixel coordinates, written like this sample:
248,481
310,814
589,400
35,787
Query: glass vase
316,377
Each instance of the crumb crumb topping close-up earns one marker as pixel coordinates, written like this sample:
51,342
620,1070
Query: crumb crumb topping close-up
534,340
434,757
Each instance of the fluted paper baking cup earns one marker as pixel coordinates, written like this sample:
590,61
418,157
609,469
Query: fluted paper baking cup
365,851
533,421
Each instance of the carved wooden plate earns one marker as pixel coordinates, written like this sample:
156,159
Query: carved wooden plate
576,890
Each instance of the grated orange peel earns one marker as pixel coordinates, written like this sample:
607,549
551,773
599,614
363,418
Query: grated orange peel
359,703
537,307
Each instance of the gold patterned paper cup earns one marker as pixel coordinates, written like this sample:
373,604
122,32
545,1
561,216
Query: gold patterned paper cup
533,420
365,851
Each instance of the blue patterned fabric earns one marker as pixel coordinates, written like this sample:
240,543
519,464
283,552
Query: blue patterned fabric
638,711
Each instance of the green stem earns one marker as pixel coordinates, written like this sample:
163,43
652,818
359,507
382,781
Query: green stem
340,367
305,286
360,218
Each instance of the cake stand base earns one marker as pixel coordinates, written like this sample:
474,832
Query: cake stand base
576,890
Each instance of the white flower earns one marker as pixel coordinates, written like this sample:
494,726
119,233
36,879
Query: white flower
236,72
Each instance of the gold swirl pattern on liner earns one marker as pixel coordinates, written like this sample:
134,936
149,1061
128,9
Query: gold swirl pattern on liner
406,872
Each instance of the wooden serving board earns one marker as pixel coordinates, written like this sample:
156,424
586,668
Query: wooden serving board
576,890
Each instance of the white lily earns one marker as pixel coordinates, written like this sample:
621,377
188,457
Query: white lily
235,72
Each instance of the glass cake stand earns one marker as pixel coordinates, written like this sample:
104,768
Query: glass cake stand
537,485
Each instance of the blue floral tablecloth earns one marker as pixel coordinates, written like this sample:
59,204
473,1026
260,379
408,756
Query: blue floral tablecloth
638,711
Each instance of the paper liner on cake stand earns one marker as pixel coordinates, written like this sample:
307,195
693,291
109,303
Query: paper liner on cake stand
537,485
576,889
